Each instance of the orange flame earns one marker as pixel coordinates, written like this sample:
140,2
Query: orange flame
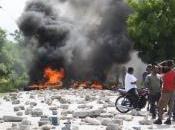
85,85
97,85
53,77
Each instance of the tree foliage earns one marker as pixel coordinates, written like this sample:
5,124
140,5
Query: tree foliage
152,28
13,70
2,38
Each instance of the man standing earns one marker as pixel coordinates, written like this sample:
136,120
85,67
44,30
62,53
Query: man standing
147,72
153,83
144,75
167,94
131,87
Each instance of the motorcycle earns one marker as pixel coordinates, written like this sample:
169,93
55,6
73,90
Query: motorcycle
123,102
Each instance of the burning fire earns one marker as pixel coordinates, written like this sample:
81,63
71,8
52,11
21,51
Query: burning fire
97,85
87,85
83,84
53,79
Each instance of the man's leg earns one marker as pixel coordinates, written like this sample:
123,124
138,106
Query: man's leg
174,110
133,97
163,102
148,107
170,105
153,106
156,102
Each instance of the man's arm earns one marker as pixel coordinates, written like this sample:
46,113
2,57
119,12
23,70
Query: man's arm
134,82
147,82
163,63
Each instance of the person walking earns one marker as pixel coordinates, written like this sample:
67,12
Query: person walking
153,83
167,94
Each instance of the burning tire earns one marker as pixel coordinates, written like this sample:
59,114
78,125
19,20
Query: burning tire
123,104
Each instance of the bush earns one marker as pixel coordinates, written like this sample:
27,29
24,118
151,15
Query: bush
13,69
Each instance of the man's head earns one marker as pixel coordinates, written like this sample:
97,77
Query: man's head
170,63
155,69
149,68
130,70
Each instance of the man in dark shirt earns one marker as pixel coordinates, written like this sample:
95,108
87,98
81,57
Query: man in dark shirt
153,83
147,72
144,75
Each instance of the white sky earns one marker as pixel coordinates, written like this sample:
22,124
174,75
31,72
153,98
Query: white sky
9,13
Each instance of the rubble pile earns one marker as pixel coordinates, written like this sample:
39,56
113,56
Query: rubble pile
72,109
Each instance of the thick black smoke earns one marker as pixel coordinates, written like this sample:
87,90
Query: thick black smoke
85,37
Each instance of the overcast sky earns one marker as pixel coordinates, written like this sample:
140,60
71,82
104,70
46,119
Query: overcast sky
10,12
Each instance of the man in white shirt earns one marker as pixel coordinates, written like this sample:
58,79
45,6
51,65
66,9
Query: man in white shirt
131,87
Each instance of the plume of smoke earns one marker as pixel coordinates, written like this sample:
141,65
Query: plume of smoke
138,65
85,37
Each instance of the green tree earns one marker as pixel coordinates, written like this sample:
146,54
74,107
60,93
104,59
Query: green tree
2,38
18,37
3,69
13,69
152,28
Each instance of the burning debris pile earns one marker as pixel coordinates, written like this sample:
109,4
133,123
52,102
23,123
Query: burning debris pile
53,79
85,37
53,76
88,85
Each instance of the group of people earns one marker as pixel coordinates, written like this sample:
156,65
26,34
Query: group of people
159,79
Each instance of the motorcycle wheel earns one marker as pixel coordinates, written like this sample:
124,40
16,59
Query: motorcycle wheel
123,104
